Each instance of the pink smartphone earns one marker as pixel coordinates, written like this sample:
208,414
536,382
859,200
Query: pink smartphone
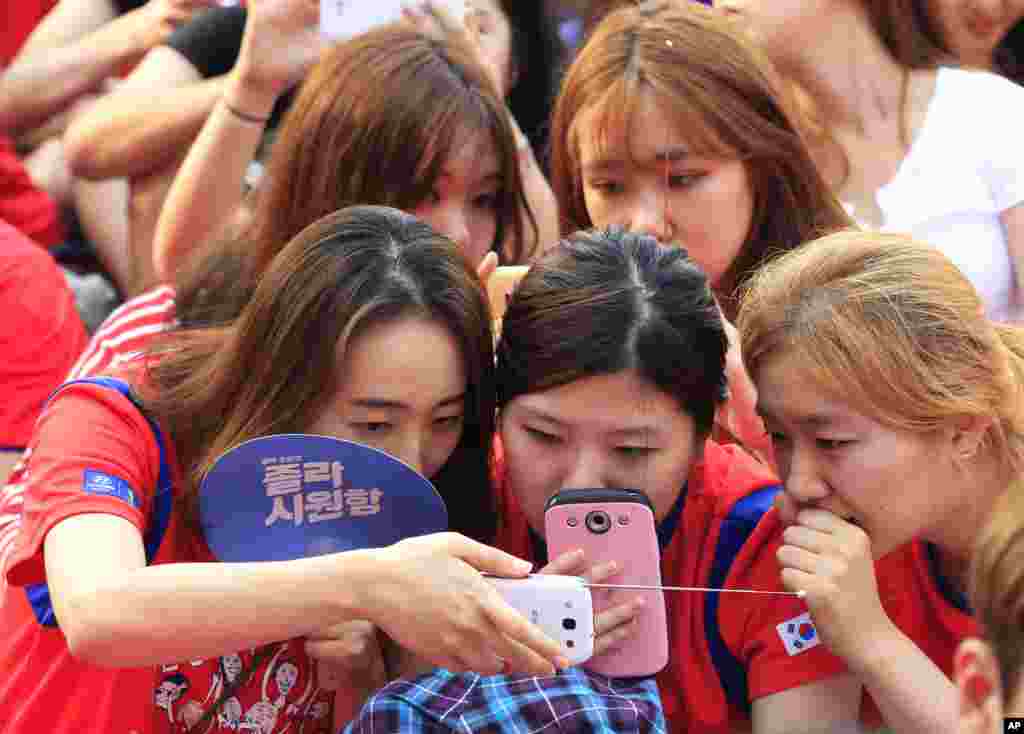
616,525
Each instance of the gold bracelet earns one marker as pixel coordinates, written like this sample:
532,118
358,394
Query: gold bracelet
244,116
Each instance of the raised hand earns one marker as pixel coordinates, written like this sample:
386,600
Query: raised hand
830,560
282,41
435,20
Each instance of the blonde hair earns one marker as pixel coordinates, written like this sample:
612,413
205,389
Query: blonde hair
891,326
997,584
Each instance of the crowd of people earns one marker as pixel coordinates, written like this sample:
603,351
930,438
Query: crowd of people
773,261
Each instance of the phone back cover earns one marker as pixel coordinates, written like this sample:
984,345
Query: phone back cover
634,545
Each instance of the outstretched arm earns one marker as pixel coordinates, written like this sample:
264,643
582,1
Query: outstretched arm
79,45
145,123
281,42
426,593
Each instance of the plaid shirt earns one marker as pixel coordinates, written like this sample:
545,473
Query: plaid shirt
571,701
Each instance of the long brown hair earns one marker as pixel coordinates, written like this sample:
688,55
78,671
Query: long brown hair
373,123
909,32
268,371
723,94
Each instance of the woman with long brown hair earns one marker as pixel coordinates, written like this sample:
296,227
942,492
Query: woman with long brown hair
392,117
671,123
367,326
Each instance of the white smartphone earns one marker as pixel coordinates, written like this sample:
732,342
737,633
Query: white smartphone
341,19
560,605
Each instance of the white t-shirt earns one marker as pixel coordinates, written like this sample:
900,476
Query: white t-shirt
964,169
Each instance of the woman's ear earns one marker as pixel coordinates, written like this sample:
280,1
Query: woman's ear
976,676
967,435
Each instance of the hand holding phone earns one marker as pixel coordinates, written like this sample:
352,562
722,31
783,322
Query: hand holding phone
560,605
616,525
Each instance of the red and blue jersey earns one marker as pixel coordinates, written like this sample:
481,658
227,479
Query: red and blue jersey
95,451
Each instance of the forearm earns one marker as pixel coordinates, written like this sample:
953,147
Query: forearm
40,85
172,612
209,184
133,132
912,694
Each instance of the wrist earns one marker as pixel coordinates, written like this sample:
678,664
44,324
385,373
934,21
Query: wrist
880,651
249,98
363,576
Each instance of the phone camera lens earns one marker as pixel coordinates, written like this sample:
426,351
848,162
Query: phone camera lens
598,522
623,519
569,623
571,522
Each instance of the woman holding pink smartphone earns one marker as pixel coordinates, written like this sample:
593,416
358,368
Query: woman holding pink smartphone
611,365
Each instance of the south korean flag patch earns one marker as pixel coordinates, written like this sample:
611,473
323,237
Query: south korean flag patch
798,634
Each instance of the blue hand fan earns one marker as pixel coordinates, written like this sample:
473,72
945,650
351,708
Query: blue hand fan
291,496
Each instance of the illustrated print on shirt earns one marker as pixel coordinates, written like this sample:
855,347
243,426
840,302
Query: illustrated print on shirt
168,692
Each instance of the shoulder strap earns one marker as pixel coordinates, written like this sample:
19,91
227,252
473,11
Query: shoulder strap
39,594
737,526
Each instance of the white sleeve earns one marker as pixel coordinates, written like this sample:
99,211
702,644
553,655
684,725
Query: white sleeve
1000,113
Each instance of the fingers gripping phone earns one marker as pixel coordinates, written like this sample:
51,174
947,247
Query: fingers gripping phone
560,605
616,525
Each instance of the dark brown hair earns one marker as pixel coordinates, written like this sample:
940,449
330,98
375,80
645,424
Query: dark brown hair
724,96
604,301
908,32
374,123
268,371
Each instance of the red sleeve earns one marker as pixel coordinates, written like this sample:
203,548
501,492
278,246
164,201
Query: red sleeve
41,334
93,452
27,207
756,626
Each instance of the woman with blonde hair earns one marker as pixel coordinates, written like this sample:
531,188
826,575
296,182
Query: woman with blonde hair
895,411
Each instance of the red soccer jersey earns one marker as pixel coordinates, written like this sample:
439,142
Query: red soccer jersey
20,19
127,332
725,650
94,451
23,205
41,334
924,606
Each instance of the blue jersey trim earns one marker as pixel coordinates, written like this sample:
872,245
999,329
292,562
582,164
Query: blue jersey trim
736,528
39,594
946,589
